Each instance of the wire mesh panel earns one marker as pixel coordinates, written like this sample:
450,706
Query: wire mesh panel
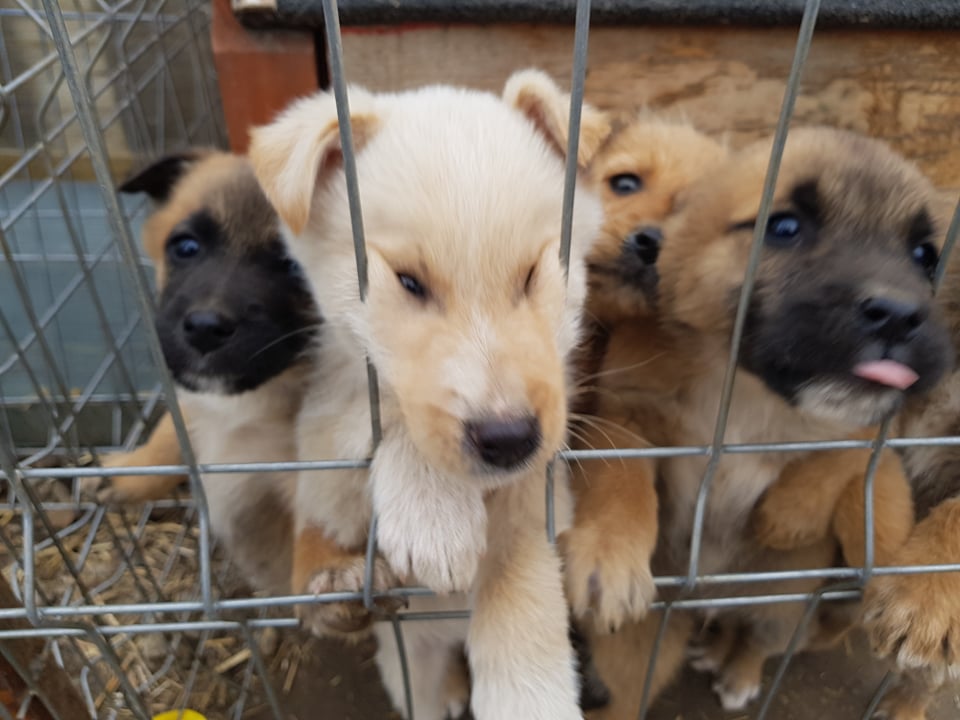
76,374
132,605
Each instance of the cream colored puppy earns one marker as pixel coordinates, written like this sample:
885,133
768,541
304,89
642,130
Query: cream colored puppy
469,319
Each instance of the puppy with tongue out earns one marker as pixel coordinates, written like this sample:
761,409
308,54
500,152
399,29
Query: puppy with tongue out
840,329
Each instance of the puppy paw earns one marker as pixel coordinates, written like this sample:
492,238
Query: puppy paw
736,693
347,619
605,577
432,531
438,548
443,569
915,619
128,489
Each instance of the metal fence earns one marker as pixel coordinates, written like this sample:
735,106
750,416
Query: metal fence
135,606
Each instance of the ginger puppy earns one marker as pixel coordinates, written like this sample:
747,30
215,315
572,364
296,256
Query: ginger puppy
235,319
628,389
469,319
841,329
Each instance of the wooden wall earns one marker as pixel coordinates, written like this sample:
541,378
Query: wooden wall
903,86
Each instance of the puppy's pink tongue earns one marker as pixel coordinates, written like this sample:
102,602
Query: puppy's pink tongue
887,372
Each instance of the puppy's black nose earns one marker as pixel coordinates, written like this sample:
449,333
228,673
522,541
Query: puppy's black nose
892,320
645,242
504,443
207,330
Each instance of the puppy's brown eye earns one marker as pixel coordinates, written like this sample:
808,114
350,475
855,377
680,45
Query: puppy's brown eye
626,184
925,255
412,285
528,283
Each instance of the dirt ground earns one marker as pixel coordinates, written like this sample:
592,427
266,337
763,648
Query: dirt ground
343,684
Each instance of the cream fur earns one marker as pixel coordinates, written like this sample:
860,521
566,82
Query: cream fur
255,426
464,192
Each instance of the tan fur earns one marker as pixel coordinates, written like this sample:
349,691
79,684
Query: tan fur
934,473
462,192
162,448
915,619
625,396
701,266
811,501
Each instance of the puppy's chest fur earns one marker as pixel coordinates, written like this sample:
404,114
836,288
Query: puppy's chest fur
756,416
335,423
252,427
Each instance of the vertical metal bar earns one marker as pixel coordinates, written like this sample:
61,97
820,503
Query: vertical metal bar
93,136
272,701
404,666
788,654
331,23
371,553
652,664
948,244
810,11
878,696
549,500
581,37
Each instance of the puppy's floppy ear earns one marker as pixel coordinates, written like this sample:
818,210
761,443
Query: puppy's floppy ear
158,178
292,155
537,96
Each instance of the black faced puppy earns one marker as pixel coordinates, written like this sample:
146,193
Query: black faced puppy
234,317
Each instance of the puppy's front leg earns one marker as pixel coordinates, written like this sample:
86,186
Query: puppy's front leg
429,525
521,660
607,551
162,448
328,553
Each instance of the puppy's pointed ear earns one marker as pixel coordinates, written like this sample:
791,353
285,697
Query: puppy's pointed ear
292,155
537,96
158,178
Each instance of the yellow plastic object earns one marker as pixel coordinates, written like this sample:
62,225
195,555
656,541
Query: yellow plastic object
177,715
